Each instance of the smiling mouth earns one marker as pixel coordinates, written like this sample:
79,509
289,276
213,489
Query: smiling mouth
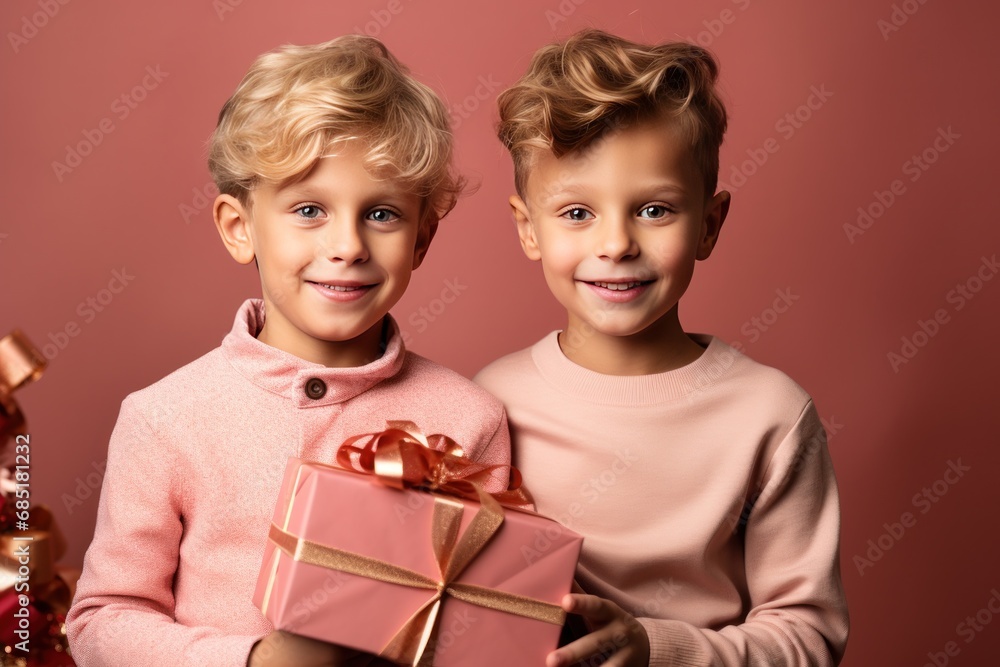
620,287
341,288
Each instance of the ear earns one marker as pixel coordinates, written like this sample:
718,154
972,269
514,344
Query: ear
525,230
424,237
233,223
715,214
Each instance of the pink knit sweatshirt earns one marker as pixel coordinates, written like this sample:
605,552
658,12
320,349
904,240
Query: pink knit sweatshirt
194,466
705,496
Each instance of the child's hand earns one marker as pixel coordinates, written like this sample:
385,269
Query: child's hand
284,648
615,634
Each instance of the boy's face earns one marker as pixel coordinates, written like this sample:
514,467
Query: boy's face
618,227
335,251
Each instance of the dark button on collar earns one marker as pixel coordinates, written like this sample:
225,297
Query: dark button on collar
315,388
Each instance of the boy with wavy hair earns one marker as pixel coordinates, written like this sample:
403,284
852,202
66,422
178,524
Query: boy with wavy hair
700,479
333,165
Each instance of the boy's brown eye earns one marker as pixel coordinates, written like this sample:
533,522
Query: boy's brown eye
577,214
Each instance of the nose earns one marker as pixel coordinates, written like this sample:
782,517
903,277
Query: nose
617,241
344,241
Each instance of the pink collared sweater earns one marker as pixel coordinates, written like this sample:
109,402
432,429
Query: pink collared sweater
705,496
194,466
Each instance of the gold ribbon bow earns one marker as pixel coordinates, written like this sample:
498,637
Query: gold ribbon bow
401,457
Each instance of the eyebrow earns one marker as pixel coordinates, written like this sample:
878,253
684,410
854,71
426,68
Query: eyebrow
662,186
304,190
299,190
555,191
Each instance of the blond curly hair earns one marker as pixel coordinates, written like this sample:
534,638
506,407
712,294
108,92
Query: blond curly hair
297,101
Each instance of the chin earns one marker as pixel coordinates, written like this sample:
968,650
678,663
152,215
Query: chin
616,330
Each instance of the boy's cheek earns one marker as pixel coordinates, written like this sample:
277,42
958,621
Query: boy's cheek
558,259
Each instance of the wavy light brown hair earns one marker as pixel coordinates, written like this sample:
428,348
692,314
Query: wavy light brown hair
297,101
575,91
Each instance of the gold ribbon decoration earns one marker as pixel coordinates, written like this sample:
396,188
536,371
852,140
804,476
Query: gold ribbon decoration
20,363
402,457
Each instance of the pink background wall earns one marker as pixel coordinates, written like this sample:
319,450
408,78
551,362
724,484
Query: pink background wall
896,80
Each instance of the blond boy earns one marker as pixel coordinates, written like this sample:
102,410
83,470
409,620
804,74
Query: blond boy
333,168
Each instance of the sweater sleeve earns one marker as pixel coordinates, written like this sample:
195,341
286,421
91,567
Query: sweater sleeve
123,612
496,451
797,611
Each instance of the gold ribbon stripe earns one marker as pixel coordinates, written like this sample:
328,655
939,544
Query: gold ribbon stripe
314,553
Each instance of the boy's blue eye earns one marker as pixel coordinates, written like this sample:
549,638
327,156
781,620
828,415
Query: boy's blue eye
382,215
578,214
308,211
653,211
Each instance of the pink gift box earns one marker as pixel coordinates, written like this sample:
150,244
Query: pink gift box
529,556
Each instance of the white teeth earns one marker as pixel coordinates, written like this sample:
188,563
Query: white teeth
340,288
618,286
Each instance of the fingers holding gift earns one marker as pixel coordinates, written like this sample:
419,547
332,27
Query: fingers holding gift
617,636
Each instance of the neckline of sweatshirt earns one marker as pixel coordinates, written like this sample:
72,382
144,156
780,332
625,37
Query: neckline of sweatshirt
718,361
